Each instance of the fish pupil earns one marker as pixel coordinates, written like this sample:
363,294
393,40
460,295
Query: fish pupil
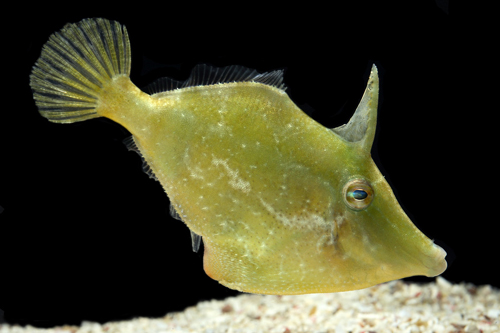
359,194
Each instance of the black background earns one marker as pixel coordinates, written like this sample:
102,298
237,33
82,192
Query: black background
86,235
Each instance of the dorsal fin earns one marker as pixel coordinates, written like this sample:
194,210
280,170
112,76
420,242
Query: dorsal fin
202,75
132,145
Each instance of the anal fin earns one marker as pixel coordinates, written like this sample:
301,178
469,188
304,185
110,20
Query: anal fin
132,145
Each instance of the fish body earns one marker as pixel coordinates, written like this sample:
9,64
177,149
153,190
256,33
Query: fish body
283,204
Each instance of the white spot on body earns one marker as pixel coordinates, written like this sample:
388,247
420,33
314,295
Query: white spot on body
234,179
309,221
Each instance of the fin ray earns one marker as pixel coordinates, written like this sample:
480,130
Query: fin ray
174,213
132,145
195,241
208,75
195,238
74,65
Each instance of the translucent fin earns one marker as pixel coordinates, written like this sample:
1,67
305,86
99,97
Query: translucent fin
74,65
195,238
195,241
131,144
162,85
203,75
174,213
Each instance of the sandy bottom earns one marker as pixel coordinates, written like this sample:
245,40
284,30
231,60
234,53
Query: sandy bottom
391,307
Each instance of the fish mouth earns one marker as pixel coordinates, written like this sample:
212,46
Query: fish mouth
415,253
435,262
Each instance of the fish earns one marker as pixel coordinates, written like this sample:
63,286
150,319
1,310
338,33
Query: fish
282,204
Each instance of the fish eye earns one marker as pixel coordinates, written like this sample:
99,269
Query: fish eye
358,194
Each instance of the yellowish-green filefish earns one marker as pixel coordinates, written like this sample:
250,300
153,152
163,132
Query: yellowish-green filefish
283,204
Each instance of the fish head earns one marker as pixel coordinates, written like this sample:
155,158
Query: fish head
374,236
338,226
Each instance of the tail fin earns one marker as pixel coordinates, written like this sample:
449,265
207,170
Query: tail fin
75,64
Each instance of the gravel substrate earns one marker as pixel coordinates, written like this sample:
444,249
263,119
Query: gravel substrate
391,307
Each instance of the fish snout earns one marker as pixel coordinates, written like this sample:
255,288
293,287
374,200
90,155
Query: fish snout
435,261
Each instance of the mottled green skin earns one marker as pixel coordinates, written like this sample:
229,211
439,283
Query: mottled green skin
262,183
267,188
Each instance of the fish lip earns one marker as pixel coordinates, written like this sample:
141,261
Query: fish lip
436,264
